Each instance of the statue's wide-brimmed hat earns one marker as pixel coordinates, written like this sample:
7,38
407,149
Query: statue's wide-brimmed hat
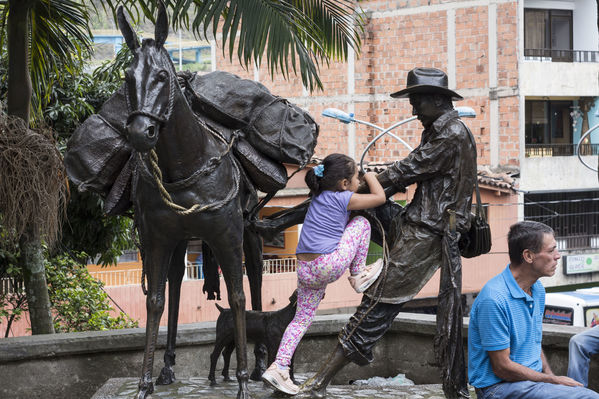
426,80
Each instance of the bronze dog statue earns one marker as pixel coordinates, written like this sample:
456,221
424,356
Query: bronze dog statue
261,327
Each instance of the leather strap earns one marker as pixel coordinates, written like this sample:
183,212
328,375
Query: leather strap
479,210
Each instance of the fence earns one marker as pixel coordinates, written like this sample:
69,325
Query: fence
552,55
10,286
559,150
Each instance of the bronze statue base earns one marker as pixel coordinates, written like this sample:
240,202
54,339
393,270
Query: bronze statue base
125,388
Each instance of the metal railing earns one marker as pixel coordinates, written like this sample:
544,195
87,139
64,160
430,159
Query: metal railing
559,150
193,271
279,265
10,286
551,55
112,278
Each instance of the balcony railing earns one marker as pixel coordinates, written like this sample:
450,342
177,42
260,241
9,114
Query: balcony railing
559,150
550,55
583,241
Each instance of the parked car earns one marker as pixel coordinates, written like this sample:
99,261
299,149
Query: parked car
573,308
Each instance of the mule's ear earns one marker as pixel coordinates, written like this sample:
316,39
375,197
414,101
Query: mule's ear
128,34
161,29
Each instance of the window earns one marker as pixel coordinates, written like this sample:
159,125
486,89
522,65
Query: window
548,34
548,128
574,216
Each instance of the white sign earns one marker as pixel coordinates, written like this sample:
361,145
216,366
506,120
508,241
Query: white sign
587,263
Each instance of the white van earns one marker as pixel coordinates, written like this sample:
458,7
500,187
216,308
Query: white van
573,308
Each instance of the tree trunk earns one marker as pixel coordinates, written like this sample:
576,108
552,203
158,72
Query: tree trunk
19,81
19,100
31,261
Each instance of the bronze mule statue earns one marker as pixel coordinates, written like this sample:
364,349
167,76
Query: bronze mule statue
206,196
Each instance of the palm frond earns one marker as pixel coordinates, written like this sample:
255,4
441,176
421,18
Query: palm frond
60,35
291,35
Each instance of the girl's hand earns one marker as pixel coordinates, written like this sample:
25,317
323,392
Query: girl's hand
373,199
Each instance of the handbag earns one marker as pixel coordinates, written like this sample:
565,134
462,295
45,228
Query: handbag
477,240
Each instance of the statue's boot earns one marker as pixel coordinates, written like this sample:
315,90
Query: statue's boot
317,385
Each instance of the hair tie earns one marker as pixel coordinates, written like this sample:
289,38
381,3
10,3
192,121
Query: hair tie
319,170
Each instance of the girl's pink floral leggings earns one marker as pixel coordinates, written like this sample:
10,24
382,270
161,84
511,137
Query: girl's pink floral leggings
313,277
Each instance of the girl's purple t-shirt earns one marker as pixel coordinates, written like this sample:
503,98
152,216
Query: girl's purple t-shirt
325,223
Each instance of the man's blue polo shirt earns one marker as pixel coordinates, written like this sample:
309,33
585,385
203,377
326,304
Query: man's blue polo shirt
504,316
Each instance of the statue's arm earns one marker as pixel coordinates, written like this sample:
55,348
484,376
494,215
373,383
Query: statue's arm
270,226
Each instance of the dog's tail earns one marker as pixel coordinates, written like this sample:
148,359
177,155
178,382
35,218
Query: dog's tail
220,308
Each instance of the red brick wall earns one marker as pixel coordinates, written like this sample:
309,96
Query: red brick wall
398,36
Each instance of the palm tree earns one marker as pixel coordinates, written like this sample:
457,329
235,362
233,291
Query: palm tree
293,35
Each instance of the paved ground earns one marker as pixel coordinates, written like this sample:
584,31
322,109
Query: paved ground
125,388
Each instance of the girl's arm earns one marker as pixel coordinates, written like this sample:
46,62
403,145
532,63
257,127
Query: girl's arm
375,198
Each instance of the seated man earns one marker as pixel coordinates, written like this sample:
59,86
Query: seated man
582,346
505,359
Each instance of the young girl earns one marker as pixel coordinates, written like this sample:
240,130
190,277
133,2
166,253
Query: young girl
328,245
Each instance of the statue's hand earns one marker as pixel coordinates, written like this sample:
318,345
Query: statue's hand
363,188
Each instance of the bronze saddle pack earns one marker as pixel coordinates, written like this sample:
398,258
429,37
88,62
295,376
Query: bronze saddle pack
268,130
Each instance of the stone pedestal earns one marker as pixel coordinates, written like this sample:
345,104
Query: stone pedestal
125,388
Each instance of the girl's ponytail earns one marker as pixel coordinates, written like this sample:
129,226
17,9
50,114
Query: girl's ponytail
312,181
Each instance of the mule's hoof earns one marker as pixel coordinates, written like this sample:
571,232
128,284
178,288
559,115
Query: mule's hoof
213,383
143,393
227,378
310,389
257,374
244,392
166,377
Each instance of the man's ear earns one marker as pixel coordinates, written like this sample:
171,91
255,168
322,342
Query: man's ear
528,256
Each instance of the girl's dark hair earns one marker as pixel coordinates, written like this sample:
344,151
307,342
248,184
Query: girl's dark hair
336,168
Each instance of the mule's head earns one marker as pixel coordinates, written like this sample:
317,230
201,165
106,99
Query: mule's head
150,81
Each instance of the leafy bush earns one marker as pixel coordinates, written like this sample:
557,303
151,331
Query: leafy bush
78,300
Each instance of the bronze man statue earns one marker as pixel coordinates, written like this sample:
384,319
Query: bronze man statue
443,167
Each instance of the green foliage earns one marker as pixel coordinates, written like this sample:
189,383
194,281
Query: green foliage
76,96
88,230
59,36
13,301
78,301
292,35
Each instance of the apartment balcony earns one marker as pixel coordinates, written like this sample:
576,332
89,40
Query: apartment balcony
550,55
559,150
540,78
548,168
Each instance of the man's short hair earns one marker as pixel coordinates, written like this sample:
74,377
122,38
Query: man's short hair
526,235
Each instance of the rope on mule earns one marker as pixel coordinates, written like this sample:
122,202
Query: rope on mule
208,168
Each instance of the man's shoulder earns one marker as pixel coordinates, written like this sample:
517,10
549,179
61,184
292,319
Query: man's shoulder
495,289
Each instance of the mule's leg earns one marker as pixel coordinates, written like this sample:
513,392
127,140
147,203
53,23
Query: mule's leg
175,276
157,259
228,251
252,248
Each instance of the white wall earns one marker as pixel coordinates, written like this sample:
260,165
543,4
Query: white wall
586,35
575,79
558,173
